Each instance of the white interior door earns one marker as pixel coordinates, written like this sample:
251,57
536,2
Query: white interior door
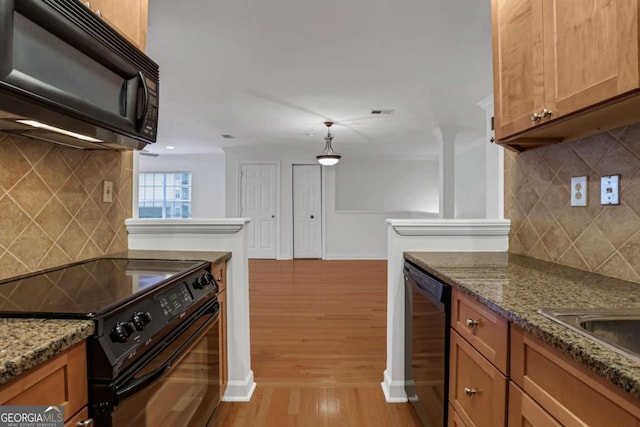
258,201
307,212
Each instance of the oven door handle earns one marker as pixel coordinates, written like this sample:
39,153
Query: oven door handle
135,385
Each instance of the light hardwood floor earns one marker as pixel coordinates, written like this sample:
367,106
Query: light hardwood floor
318,347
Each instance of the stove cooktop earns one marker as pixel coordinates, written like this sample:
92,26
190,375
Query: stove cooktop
88,289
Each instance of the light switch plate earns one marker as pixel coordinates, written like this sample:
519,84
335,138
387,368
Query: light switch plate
610,190
107,192
578,191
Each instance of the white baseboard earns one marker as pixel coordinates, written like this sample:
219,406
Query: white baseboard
393,390
355,256
240,391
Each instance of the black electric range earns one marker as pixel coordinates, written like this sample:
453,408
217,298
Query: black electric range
133,302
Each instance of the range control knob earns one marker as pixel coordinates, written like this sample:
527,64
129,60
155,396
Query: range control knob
212,280
141,319
200,282
121,331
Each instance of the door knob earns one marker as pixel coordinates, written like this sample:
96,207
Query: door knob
273,216
312,217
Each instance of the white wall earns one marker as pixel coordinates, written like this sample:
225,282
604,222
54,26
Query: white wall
349,234
208,179
385,183
470,181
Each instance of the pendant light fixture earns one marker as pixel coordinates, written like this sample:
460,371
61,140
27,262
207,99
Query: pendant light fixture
328,157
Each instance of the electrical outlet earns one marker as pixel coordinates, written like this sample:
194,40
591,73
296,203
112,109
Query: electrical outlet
610,190
579,191
107,192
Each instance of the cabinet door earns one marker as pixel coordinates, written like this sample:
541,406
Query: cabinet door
477,390
518,64
129,17
590,52
525,412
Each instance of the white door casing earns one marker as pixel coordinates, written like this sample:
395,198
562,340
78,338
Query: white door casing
258,201
307,211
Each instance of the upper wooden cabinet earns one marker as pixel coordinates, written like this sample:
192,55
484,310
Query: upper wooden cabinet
561,68
129,17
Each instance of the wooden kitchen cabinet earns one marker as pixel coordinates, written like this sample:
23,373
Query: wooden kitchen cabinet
219,270
129,17
569,392
484,329
525,412
563,69
60,381
477,390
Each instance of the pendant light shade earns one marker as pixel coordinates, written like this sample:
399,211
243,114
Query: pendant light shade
328,156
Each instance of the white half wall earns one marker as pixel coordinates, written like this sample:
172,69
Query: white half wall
348,234
208,179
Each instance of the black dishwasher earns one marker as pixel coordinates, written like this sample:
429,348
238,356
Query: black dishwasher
427,319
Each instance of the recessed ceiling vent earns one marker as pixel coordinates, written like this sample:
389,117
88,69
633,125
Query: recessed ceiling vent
389,111
227,136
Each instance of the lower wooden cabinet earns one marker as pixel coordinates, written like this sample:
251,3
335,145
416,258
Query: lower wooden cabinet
454,419
60,381
525,412
219,270
566,390
477,390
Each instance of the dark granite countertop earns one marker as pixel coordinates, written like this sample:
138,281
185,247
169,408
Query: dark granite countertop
516,287
25,343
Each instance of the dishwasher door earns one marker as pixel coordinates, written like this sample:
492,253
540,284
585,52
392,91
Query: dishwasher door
427,320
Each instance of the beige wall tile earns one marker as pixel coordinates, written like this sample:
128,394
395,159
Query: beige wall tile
603,239
51,208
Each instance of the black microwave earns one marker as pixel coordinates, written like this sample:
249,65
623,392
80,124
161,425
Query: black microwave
68,77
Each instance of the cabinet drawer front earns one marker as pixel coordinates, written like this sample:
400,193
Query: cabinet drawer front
61,380
219,271
477,390
565,389
487,331
525,412
454,418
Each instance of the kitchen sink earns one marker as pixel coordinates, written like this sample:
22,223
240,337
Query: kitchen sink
617,329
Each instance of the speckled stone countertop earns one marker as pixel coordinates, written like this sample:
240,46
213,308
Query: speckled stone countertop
25,343
516,287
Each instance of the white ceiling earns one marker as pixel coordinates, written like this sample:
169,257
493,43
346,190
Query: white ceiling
270,72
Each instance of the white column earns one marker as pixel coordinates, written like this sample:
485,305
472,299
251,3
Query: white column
495,166
447,172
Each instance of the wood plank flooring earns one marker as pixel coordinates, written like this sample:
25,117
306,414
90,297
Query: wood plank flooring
318,347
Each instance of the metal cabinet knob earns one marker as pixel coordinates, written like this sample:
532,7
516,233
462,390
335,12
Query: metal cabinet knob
472,323
470,391
85,423
545,113
535,117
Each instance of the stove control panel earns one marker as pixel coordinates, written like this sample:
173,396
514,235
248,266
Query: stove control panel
175,301
206,281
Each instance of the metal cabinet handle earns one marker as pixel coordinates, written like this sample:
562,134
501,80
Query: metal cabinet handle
545,113
470,391
472,323
535,117
85,423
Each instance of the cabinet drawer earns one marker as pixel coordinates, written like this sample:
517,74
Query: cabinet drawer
568,391
477,390
61,380
219,271
454,418
524,412
487,331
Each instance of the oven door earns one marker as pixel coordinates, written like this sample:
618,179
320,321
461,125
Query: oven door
180,385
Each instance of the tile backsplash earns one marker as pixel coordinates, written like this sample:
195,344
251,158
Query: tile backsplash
602,239
51,208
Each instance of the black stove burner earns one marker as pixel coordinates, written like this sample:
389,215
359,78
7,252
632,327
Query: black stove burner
89,289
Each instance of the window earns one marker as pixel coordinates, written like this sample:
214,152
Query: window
164,195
